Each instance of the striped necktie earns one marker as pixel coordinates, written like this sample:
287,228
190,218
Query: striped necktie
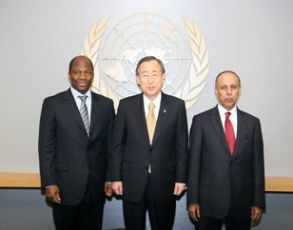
84,114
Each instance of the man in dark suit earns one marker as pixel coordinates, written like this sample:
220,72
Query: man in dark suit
74,139
226,175
149,163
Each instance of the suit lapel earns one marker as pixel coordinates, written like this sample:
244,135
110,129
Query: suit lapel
141,116
72,108
94,112
216,120
240,132
162,117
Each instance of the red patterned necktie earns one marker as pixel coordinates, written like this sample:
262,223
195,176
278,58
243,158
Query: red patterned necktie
230,136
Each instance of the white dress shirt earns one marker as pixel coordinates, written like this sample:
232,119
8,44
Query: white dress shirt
156,102
88,100
232,117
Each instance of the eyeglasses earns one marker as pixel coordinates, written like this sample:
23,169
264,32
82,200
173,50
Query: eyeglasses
146,77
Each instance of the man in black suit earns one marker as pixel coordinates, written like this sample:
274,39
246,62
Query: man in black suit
74,140
226,175
148,166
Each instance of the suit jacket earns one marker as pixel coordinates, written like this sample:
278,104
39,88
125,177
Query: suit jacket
219,182
132,152
68,157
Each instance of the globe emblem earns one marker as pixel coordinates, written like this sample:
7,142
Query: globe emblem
116,51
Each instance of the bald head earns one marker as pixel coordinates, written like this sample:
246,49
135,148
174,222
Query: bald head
81,73
80,57
228,72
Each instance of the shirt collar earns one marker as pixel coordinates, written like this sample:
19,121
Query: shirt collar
223,111
75,93
156,102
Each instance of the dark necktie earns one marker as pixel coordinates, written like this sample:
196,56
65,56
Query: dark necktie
230,136
84,114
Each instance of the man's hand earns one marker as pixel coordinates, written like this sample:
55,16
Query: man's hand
52,194
194,211
107,189
117,187
179,188
256,214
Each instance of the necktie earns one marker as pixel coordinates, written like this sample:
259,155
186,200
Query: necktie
151,121
230,136
84,114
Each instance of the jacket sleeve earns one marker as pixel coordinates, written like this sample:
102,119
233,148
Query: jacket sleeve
181,145
47,143
195,150
117,150
258,167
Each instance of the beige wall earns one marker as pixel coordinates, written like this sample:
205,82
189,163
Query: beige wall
38,38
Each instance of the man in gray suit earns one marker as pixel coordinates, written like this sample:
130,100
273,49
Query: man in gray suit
226,165
149,161
74,139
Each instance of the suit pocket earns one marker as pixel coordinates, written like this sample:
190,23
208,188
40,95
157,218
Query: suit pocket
172,167
126,166
244,140
205,182
62,168
248,183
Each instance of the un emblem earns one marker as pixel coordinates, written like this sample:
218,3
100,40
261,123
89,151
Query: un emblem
115,53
